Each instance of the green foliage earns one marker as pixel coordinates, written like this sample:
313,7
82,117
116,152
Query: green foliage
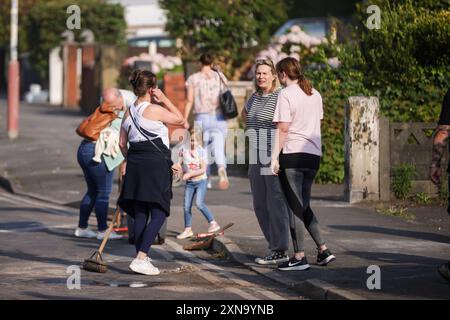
401,182
396,211
47,20
335,86
308,8
422,198
407,61
405,64
232,30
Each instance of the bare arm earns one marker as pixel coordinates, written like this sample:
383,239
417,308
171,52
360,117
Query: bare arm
280,138
244,114
123,139
168,114
189,104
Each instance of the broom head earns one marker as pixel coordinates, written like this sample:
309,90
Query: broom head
95,263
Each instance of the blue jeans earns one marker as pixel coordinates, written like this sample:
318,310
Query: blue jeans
193,187
99,185
215,129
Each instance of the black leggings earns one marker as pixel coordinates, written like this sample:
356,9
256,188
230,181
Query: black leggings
144,234
296,184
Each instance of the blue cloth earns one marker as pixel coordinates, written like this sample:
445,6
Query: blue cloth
99,182
215,130
191,188
112,163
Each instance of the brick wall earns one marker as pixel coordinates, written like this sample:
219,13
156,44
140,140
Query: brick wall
175,90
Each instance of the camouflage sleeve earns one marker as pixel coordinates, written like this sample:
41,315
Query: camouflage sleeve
441,136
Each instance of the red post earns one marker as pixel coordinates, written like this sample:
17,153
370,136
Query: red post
13,76
13,99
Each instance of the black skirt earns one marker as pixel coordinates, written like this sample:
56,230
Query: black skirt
148,176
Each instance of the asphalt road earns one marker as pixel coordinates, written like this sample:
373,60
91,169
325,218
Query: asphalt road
41,259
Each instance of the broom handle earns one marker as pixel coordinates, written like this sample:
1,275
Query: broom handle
108,232
111,225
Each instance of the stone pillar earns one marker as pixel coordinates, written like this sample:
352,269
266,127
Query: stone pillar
71,84
56,73
362,149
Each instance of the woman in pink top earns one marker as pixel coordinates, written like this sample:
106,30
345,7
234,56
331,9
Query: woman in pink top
203,91
296,158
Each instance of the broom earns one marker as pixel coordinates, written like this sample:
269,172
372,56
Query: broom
95,262
207,242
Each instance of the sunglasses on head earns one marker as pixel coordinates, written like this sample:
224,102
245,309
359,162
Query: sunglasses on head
267,62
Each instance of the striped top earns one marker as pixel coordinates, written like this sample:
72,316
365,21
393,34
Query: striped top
260,126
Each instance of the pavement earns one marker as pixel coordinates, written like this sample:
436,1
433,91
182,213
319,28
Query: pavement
42,165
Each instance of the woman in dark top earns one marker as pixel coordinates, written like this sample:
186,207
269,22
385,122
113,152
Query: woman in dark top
147,187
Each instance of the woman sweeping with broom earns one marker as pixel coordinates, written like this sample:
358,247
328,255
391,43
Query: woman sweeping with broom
147,186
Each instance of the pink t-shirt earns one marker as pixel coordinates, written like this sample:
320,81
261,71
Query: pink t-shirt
304,113
207,88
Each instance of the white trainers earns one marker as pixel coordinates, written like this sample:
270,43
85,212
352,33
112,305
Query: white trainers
85,233
144,267
213,227
112,236
209,185
187,233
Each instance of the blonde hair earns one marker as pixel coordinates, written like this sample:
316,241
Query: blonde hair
269,63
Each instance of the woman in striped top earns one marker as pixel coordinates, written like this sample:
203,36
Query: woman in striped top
268,202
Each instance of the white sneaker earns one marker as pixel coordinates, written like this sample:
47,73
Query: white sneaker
112,236
209,185
213,227
85,233
144,267
187,233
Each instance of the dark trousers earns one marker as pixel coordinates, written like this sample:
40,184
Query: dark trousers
296,184
144,232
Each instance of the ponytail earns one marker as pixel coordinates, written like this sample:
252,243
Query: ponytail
291,67
305,85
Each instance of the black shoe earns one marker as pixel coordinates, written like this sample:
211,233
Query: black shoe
325,257
275,257
444,270
294,264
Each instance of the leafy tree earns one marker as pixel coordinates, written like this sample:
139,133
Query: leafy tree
47,20
233,30
308,8
5,21
407,62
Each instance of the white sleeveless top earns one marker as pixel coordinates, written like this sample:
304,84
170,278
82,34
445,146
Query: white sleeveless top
156,129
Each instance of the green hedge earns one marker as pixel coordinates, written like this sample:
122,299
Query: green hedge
406,64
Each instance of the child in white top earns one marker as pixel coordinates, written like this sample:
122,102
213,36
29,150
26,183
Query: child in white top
192,162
